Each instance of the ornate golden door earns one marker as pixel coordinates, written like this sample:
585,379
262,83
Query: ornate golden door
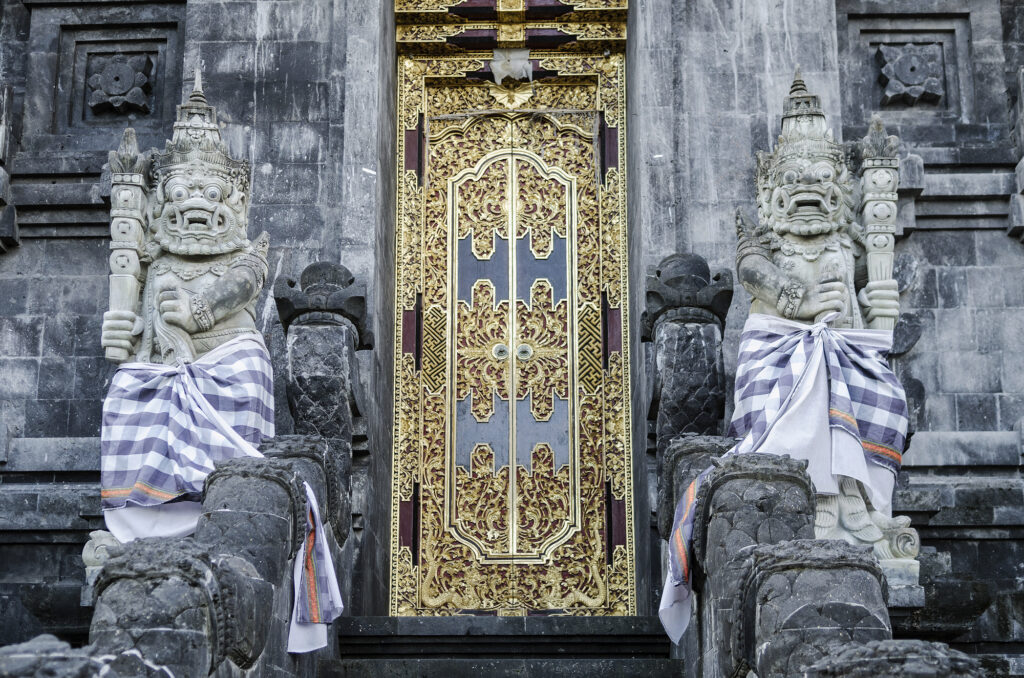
512,471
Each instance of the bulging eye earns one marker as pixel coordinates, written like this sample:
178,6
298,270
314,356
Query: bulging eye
178,193
212,194
826,174
789,177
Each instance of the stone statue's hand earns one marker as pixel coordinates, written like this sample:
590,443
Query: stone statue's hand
823,298
119,328
175,309
880,299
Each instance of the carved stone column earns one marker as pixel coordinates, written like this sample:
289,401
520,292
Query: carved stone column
686,309
324,318
895,659
325,324
802,598
748,500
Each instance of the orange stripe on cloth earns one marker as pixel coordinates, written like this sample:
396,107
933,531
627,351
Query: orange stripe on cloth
141,487
883,450
310,567
681,551
844,416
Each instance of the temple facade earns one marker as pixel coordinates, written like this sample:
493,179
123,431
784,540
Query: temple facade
497,246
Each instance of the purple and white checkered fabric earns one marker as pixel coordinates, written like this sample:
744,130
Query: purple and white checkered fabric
865,397
165,426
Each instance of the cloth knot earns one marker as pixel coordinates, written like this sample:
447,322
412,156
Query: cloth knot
822,325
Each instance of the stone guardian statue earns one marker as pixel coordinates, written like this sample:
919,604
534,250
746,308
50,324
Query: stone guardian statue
194,385
179,223
812,380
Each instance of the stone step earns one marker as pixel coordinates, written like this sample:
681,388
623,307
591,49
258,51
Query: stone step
499,668
520,638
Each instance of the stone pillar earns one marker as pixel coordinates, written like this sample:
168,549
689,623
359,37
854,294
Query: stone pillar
8,214
325,323
324,318
895,659
685,315
802,598
748,500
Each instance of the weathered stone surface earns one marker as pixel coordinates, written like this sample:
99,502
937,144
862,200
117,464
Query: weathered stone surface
256,508
47,657
683,460
751,499
895,659
747,500
181,606
327,465
801,598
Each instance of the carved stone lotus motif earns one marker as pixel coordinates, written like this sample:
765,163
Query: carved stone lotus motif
122,84
911,73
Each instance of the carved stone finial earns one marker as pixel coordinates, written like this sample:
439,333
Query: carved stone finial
798,87
326,294
878,144
683,289
197,86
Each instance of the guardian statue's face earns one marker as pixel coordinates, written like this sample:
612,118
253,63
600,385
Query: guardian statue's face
806,195
198,212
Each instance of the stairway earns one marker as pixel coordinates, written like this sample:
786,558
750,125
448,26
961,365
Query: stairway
458,647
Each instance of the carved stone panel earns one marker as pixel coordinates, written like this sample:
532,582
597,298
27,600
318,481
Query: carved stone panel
98,67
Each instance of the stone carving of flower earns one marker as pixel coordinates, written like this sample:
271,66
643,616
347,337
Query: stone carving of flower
911,73
123,84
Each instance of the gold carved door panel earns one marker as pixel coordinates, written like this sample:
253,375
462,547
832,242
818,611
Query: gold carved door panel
512,474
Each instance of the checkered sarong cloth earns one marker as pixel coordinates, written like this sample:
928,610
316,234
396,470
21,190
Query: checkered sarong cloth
164,426
865,399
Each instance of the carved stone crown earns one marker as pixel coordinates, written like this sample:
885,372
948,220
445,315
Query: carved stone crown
197,138
804,129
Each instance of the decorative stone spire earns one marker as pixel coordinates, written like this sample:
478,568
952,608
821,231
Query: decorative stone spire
197,137
804,128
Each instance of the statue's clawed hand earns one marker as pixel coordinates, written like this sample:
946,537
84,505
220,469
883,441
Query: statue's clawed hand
175,309
880,299
822,299
119,330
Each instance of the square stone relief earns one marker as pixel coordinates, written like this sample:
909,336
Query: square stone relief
98,69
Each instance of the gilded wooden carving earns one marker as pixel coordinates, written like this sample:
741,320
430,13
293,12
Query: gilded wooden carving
512,488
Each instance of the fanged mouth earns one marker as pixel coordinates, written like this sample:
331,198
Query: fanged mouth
811,206
201,221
